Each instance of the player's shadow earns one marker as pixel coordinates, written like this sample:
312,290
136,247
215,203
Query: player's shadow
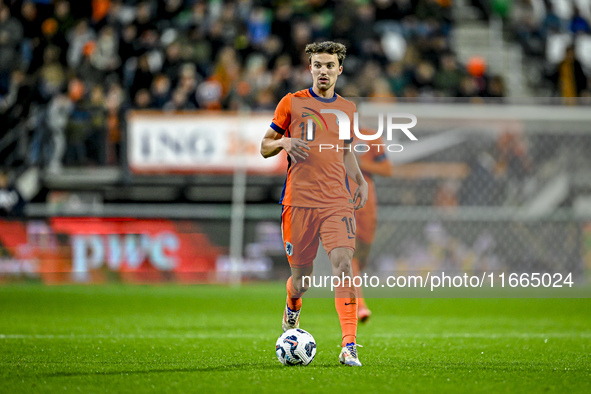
228,367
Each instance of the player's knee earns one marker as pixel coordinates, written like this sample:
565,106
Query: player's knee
301,285
342,266
341,261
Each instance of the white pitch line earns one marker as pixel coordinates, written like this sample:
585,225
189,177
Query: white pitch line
131,336
513,335
524,335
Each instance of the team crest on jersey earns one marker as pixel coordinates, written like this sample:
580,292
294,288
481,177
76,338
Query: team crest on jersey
288,248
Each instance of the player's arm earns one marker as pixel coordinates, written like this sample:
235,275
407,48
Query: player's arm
273,142
354,173
380,165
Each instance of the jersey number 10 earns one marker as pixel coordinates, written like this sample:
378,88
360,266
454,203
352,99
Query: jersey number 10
308,133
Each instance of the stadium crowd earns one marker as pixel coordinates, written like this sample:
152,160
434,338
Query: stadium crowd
553,33
70,70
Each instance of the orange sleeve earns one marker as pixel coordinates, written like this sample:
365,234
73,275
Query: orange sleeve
282,117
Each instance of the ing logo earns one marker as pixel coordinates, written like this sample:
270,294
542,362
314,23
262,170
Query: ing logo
308,128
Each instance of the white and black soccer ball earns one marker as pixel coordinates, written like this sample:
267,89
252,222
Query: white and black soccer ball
296,347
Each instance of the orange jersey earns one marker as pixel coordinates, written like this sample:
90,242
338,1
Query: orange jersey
320,181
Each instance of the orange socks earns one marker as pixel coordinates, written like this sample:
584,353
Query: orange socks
346,303
294,300
357,272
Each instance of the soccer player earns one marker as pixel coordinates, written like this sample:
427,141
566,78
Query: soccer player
372,162
317,203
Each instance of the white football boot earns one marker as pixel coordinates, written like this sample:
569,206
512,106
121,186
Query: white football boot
348,355
291,319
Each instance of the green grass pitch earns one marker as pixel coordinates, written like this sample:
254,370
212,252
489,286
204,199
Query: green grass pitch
206,339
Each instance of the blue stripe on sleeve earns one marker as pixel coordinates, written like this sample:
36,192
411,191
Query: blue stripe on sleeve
277,128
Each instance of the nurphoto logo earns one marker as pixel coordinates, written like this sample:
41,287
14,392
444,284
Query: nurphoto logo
344,123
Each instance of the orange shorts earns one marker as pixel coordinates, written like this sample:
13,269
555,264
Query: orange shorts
366,219
303,228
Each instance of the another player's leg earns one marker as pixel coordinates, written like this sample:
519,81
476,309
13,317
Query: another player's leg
358,264
365,221
346,305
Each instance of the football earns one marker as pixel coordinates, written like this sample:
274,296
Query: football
295,347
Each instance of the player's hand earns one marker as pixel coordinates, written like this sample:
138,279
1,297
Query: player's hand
361,193
295,148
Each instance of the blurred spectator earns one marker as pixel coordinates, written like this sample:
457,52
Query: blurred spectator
227,70
87,70
115,123
128,47
77,40
179,101
14,105
31,32
52,75
188,84
100,9
364,40
160,91
569,78
11,202
50,37
142,99
423,78
434,9
11,34
259,27
397,77
579,24
144,18
142,77
476,67
169,10
96,143
380,87
496,90
527,17
173,62
281,25
468,88
58,114
265,100
105,56
77,129
281,78
63,17
449,76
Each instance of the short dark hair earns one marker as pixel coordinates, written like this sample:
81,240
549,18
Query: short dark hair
330,47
